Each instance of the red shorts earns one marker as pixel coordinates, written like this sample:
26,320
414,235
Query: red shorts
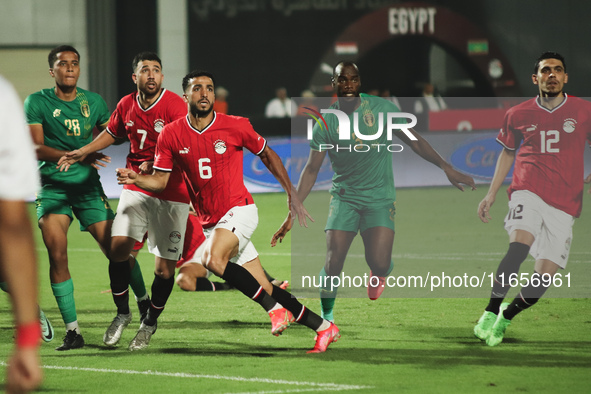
194,237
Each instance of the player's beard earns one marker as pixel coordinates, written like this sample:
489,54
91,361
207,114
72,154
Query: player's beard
200,113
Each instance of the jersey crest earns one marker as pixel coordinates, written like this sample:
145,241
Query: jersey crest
158,125
220,147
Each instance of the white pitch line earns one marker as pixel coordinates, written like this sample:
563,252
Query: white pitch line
316,386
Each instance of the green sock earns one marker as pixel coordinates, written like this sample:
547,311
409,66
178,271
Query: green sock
136,281
328,295
391,268
4,287
64,295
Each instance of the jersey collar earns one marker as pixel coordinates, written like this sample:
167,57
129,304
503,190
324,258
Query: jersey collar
137,100
205,128
553,109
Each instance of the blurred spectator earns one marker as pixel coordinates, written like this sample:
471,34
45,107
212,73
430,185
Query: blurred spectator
430,101
280,106
307,102
386,94
221,105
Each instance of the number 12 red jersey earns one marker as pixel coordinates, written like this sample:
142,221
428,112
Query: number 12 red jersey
550,160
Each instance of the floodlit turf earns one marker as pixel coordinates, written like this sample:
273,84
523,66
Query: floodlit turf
221,342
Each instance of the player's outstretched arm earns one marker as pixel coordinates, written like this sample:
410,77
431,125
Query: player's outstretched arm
272,161
150,182
588,180
422,148
101,142
305,184
504,163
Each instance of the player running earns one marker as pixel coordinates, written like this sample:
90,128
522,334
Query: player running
546,193
208,147
363,194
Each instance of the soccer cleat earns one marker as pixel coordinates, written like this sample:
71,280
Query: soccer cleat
113,333
46,327
143,336
325,338
498,330
484,326
374,292
280,320
144,307
72,340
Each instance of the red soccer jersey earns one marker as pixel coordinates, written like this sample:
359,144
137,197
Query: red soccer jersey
550,161
212,162
142,127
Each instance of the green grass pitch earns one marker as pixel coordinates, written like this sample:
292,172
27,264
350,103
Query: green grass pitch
221,342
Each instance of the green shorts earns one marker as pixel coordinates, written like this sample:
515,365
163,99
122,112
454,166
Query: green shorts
90,205
350,216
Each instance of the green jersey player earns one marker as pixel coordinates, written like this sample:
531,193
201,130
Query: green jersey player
363,193
62,119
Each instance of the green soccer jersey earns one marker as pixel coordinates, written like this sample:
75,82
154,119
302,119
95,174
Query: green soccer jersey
67,125
362,168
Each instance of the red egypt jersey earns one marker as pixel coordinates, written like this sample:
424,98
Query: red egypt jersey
212,162
550,161
194,237
142,127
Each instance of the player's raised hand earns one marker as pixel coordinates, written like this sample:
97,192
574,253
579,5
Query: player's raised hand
457,178
588,180
484,208
126,176
97,160
283,230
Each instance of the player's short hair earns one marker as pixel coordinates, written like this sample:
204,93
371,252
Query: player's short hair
196,74
343,64
140,57
549,55
52,57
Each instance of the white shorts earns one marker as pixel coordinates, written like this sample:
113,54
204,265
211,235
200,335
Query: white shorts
242,221
551,227
165,222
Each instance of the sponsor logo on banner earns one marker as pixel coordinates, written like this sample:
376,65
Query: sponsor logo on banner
478,158
294,155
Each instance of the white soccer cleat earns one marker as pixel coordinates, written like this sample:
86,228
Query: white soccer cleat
142,338
113,333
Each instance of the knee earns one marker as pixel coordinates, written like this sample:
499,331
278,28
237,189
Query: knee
185,282
163,272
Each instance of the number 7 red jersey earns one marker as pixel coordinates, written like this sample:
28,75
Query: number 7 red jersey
211,160
550,160
142,127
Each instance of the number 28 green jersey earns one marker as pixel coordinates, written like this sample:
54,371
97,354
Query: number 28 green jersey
67,125
362,168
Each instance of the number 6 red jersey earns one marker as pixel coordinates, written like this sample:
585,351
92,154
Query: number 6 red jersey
211,160
550,160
